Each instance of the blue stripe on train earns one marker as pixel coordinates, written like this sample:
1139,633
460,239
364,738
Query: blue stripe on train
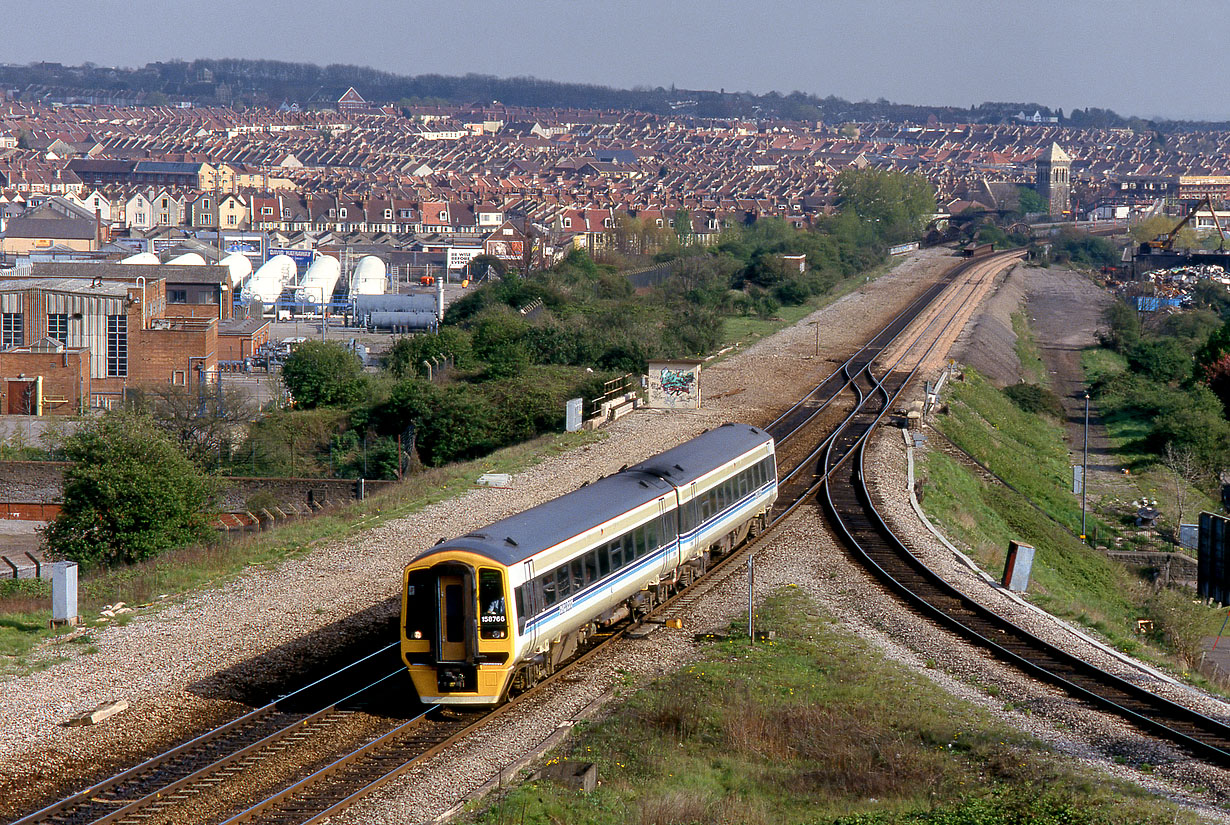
647,561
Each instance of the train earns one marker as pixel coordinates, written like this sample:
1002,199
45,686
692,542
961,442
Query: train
495,611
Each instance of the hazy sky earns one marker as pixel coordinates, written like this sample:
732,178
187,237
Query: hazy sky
1143,58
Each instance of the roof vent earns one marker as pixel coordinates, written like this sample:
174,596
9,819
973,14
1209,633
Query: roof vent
677,467
510,540
643,483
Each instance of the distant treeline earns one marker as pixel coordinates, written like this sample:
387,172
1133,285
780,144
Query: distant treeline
270,83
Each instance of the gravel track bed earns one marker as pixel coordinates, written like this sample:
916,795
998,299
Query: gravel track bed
182,664
1100,736
806,554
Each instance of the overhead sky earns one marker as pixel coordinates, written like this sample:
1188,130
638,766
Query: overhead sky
1138,57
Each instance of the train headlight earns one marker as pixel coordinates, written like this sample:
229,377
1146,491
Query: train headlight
418,634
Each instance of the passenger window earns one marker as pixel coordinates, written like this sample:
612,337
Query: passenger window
591,567
549,592
668,529
604,562
651,537
639,537
519,597
578,575
562,587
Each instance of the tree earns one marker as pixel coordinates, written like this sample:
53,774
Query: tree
1184,475
1031,201
323,374
129,495
899,201
207,424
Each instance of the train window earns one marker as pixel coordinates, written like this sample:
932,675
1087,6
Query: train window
493,621
604,562
668,528
578,575
454,615
651,537
519,597
591,567
615,551
549,594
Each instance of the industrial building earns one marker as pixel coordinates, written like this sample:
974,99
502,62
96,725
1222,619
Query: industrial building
68,344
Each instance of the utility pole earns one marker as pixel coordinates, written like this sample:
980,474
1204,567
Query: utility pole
1085,468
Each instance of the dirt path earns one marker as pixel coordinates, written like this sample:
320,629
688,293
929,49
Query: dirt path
1065,312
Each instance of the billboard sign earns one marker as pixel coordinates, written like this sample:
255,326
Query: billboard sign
459,256
302,257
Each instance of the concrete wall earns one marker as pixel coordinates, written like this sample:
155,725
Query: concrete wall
43,482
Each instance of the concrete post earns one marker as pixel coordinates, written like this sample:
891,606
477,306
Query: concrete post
64,594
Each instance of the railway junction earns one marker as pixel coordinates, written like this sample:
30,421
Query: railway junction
179,686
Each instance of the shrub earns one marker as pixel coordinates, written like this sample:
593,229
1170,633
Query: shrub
1032,398
130,494
323,374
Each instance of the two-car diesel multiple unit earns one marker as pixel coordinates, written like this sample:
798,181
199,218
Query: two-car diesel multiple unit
500,608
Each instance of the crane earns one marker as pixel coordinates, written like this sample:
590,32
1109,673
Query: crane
1166,242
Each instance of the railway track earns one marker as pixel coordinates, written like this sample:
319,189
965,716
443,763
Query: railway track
851,509
151,791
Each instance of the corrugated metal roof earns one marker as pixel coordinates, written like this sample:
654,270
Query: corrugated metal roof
77,286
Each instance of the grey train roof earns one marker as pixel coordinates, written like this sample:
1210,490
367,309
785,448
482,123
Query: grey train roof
546,525
689,461
550,523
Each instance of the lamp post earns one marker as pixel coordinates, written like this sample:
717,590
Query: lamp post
1085,467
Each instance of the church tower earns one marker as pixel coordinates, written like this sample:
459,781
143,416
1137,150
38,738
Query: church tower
1053,179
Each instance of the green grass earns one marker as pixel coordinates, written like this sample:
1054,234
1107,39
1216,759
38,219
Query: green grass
813,727
1069,578
747,328
25,605
1033,370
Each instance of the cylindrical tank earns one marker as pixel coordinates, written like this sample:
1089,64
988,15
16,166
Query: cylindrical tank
187,259
142,259
239,266
402,321
369,278
319,281
267,283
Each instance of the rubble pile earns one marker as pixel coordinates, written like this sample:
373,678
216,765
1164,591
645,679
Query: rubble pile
1173,287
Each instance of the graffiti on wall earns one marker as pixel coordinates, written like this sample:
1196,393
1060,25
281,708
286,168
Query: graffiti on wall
674,385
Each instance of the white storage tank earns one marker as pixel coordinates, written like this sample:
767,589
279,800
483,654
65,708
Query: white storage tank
239,266
267,283
142,259
319,281
187,259
370,277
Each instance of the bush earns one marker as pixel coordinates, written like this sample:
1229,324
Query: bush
1032,398
323,374
130,494
1163,360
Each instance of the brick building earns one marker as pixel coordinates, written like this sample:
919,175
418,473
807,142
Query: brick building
70,343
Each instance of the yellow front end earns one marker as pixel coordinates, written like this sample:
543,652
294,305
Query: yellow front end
457,634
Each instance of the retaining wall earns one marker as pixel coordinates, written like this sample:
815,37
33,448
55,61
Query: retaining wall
42,482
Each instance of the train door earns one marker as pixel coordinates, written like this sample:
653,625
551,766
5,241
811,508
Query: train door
451,601
668,535
532,605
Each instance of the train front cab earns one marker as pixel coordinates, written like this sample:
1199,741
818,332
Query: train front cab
457,640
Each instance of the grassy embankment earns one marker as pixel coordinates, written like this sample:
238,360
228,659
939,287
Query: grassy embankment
1070,578
746,329
814,727
25,604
